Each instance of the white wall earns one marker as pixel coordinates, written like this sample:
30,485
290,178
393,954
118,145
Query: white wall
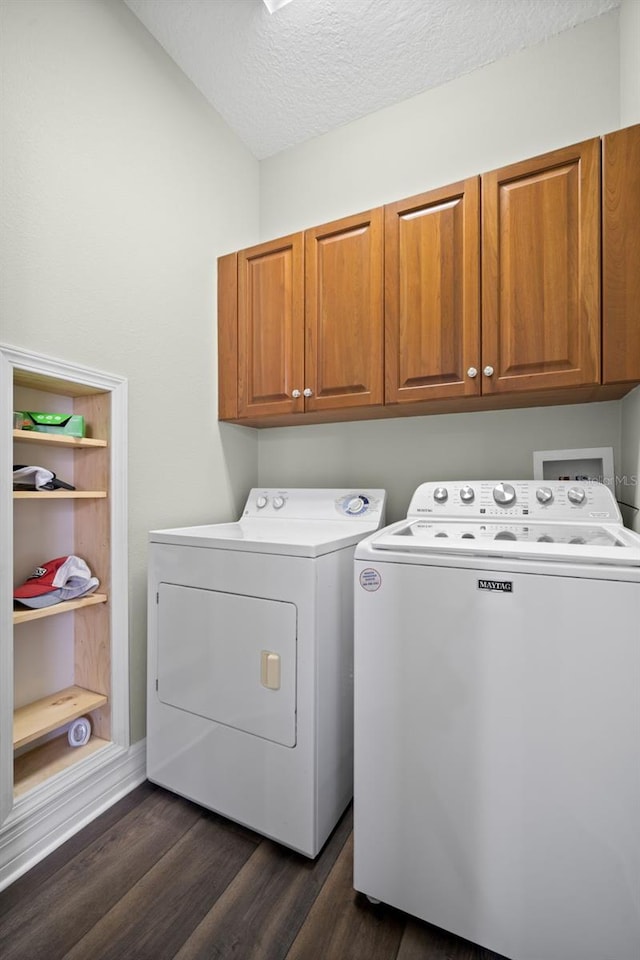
629,62
557,93
629,473
120,187
630,114
399,454
548,96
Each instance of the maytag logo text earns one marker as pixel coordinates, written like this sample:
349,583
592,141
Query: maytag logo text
497,586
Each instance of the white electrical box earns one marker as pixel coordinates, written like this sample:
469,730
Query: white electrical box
594,463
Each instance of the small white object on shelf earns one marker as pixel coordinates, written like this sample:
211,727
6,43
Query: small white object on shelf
79,732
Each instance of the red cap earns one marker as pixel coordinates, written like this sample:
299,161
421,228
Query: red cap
52,576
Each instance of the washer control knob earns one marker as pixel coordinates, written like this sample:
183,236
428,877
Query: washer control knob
278,503
261,502
356,505
544,494
504,494
440,494
576,495
466,494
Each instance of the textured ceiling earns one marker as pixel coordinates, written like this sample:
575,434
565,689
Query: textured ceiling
279,79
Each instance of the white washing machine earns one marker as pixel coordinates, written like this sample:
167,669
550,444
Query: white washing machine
250,660
497,718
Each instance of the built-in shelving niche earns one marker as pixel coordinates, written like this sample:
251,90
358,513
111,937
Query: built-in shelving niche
69,660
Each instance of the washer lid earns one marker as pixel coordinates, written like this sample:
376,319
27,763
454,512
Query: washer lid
296,538
572,542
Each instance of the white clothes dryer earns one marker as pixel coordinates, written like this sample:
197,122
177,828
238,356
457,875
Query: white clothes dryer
250,660
497,718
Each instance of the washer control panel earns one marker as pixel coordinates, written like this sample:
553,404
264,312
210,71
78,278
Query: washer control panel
517,499
312,504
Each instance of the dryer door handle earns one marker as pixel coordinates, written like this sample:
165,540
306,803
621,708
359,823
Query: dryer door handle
270,670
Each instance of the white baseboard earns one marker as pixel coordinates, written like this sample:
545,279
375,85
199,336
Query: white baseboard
49,815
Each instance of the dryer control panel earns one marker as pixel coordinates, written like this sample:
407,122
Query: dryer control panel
519,499
317,504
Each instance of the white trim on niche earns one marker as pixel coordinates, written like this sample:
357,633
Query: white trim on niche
37,822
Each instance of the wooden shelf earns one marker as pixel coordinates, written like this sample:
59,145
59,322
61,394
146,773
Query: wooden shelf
23,615
37,765
57,440
49,382
42,716
59,494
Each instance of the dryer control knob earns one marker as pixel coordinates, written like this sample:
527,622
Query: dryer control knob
544,495
504,494
466,494
441,494
278,503
576,495
261,502
356,505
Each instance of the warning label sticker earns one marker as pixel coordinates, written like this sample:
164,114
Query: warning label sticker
370,579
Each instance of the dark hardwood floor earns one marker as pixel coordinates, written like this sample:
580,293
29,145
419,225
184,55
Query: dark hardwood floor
157,877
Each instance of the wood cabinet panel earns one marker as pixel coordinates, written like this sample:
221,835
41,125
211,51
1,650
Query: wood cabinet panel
621,256
432,294
271,327
541,272
228,337
344,312
92,522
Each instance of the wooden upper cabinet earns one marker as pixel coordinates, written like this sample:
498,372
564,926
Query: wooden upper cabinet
344,313
432,294
501,290
541,272
271,327
621,256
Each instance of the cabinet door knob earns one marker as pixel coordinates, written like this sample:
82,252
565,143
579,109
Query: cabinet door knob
295,394
488,371
307,392
472,372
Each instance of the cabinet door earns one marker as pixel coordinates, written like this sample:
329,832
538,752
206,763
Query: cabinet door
344,313
432,294
541,272
621,256
271,327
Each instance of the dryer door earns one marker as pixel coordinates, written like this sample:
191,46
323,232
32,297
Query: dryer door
230,658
